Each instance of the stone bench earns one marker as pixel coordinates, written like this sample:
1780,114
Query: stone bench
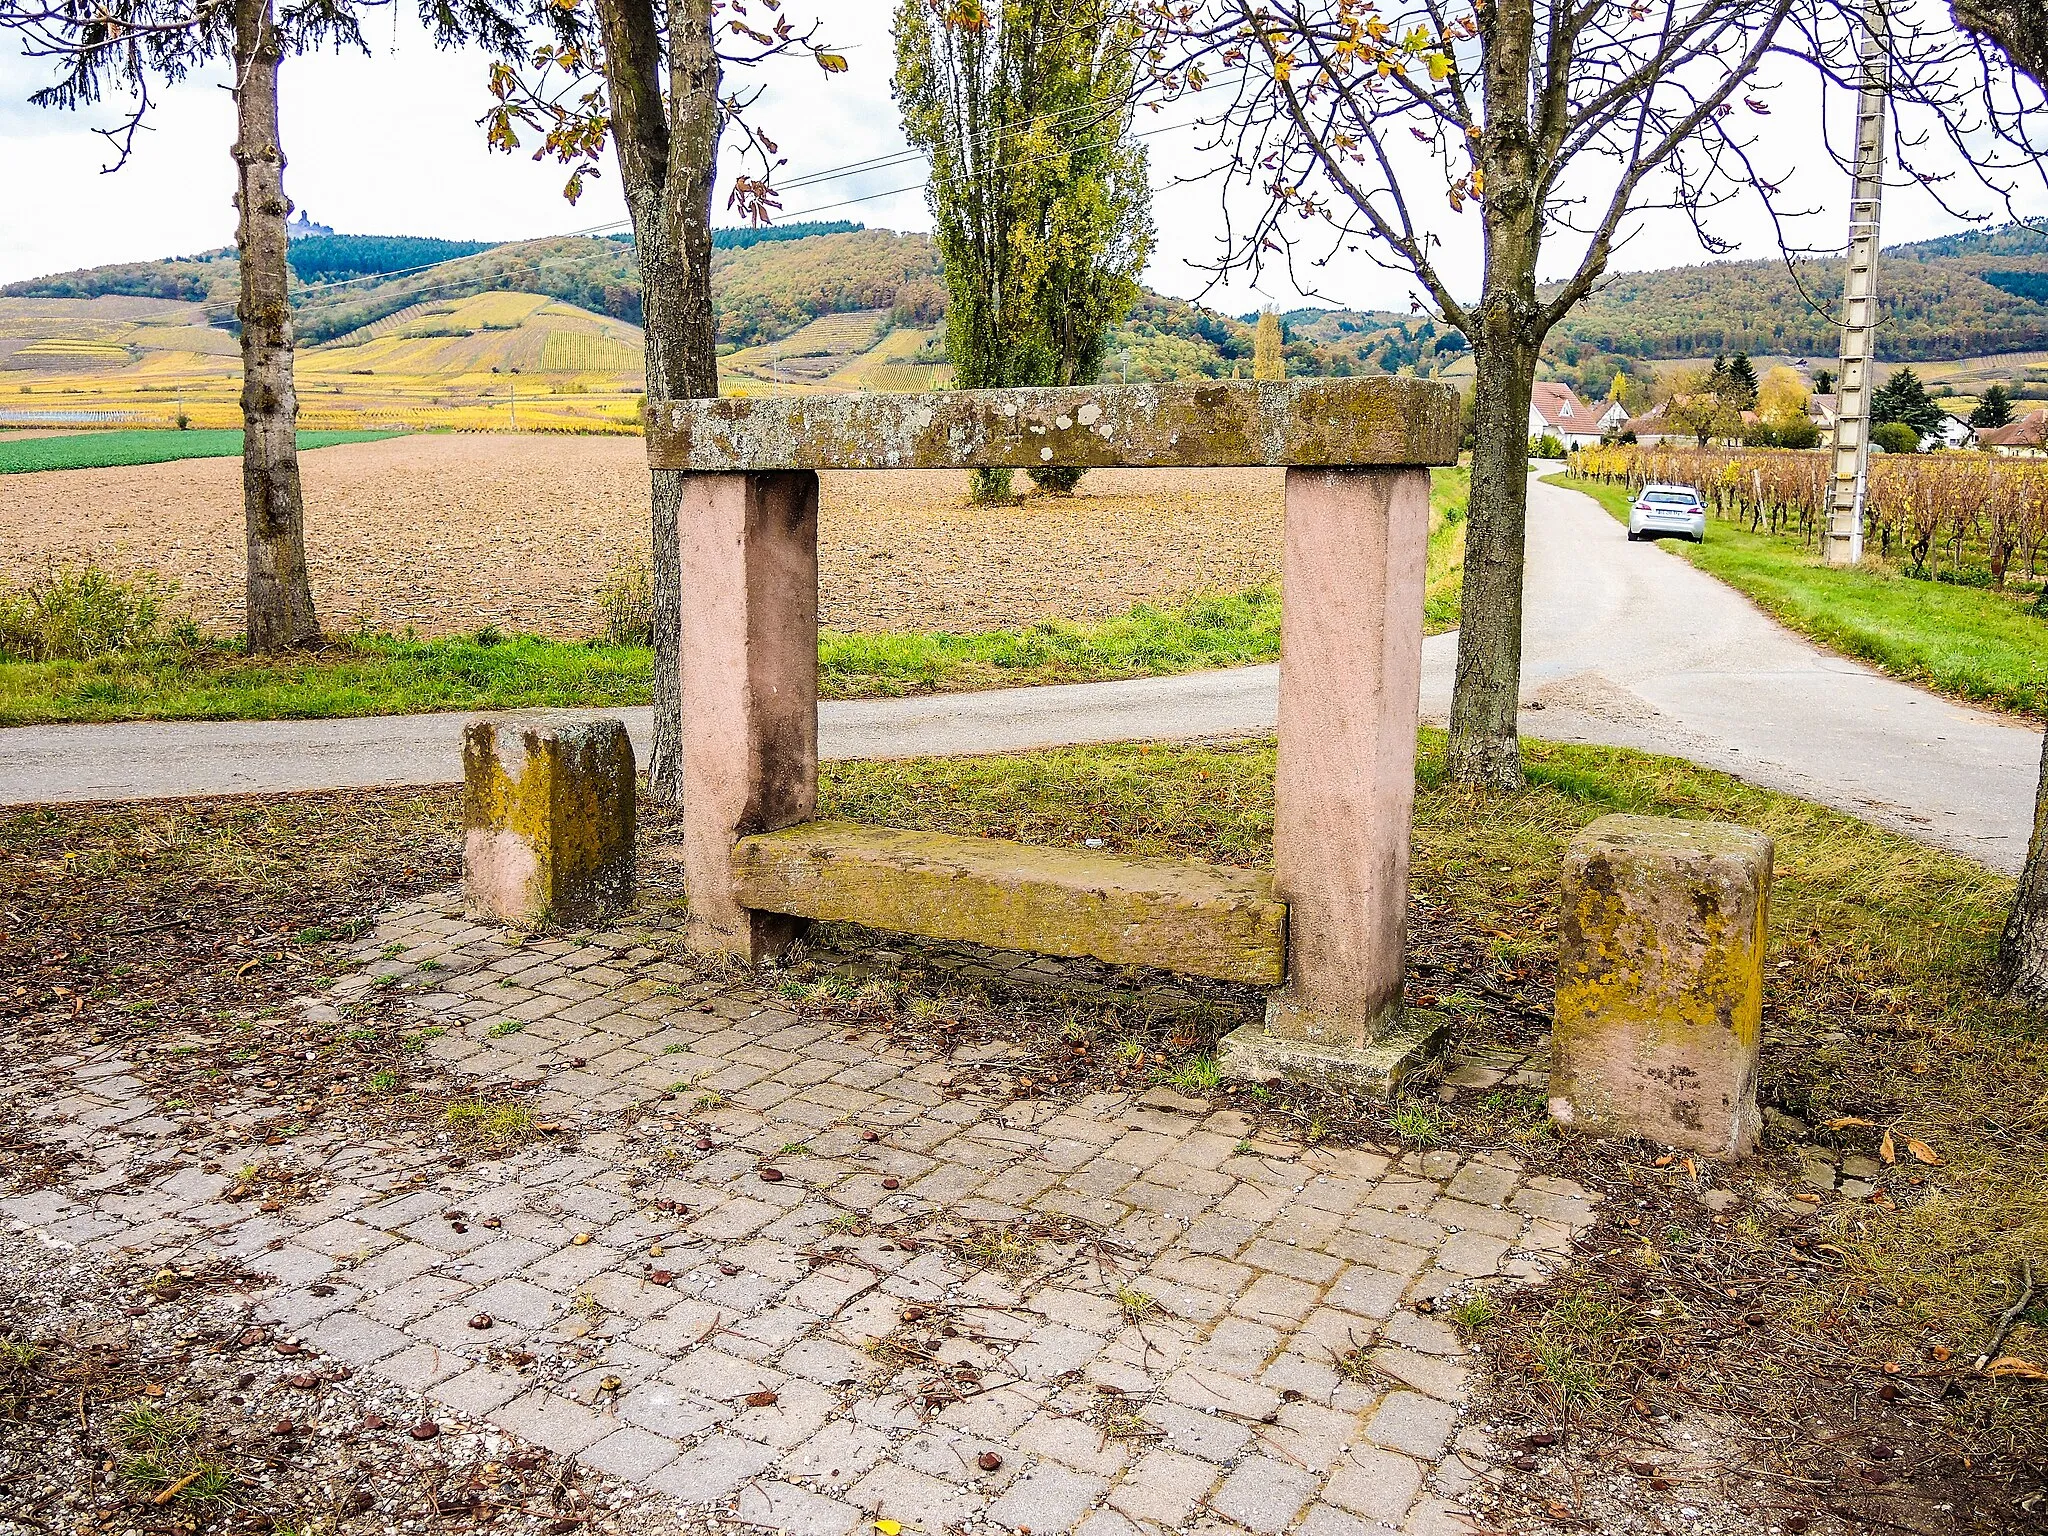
1354,550
1170,914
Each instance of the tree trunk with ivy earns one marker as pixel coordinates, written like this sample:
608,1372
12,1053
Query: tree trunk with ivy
280,599
668,156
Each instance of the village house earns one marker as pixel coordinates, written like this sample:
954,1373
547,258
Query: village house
2026,438
1556,409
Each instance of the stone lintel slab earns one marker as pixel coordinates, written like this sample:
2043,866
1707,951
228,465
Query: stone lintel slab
1306,422
1407,1039
1660,973
547,817
1196,919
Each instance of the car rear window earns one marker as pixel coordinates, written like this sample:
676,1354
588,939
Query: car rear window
1673,498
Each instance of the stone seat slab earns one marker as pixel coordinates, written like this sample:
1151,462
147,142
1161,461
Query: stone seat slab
1175,915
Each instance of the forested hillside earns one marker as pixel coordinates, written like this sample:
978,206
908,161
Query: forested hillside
1959,296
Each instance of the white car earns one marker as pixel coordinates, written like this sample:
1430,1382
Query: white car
1661,509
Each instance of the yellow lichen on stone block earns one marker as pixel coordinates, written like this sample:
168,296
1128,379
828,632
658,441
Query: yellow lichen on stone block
1177,915
547,816
1660,982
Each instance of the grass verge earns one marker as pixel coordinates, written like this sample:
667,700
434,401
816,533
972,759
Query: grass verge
1971,643
380,674
109,450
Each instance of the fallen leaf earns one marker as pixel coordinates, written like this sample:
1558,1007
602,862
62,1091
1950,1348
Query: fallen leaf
1846,1121
1923,1152
1887,1150
889,1527
2013,1365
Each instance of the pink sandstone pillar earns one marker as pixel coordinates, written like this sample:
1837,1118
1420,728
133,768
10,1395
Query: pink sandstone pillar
750,688
1352,572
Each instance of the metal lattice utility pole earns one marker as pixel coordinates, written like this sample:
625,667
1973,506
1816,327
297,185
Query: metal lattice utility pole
1859,295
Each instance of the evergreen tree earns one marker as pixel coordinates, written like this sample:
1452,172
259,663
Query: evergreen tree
1995,410
1903,398
1740,388
1823,381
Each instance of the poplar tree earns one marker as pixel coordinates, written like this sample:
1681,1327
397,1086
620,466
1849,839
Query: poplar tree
1040,203
1268,360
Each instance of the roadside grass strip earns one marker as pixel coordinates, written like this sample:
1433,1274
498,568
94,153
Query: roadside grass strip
1975,643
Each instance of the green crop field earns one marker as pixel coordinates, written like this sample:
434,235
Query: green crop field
107,450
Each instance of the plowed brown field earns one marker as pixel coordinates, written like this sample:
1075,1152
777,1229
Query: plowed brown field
448,533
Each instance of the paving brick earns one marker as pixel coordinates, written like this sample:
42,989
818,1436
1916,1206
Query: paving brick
1164,1486
552,1422
631,1453
836,1455
712,1469
1410,1422
354,1339
1049,1497
518,1301
1199,1434
670,1410
1440,1378
1072,1443
791,1511
419,1367
1276,1299
1264,1495
1328,1520
477,1390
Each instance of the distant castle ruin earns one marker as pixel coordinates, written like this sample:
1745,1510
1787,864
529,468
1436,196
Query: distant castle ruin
303,227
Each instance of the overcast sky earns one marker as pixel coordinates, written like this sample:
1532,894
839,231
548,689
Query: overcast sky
389,145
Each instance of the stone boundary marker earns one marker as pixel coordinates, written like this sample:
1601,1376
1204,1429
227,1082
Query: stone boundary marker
547,820
1355,547
1660,980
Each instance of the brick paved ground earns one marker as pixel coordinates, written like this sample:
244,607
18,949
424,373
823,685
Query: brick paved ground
773,1266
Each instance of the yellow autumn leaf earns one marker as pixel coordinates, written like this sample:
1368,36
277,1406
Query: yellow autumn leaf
832,63
1439,66
1845,1121
1924,1152
889,1527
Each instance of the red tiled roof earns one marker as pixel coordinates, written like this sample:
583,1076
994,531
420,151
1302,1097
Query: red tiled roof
1560,407
2030,431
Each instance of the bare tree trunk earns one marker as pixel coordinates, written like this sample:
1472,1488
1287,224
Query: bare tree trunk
2019,27
1484,750
280,601
668,160
2022,973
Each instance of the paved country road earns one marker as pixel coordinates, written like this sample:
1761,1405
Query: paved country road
1623,644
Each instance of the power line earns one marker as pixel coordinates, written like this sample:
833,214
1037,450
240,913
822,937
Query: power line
789,214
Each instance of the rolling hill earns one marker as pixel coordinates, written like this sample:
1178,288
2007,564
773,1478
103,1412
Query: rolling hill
399,328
